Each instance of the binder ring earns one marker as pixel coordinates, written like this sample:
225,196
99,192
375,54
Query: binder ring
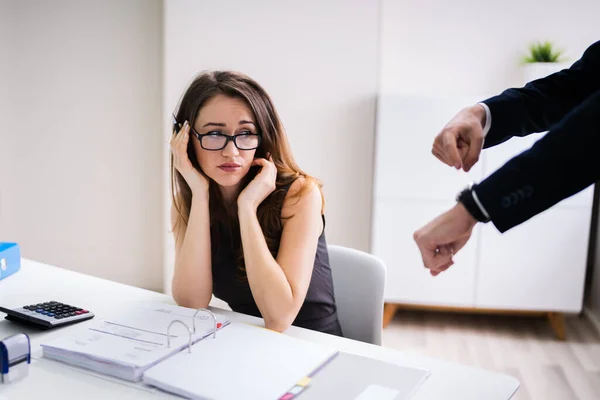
189,334
213,317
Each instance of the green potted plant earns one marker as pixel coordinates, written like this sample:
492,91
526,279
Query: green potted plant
541,60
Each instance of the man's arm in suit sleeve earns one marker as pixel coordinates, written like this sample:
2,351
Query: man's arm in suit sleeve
562,163
543,102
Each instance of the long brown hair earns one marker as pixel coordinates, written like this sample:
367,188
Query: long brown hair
274,142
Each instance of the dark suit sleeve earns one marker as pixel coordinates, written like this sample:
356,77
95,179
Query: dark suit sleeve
543,102
563,162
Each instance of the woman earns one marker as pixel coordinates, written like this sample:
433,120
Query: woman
248,223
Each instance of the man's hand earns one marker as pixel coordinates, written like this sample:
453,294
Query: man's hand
461,140
443,237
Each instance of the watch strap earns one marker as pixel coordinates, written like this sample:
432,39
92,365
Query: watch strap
466,198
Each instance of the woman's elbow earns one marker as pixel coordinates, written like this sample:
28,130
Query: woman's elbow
189,301
280,324
277,326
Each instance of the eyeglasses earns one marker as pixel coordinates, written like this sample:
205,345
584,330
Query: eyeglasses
215,140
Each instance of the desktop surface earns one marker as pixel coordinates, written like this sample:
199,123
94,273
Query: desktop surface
38,282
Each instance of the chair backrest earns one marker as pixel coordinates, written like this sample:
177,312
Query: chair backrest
358,283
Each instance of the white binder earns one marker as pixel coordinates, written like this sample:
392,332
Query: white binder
243,362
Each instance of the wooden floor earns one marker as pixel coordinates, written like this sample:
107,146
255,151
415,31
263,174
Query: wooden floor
523,347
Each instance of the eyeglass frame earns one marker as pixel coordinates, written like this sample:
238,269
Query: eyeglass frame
177,126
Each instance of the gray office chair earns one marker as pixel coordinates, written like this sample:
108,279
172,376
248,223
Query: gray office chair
358,283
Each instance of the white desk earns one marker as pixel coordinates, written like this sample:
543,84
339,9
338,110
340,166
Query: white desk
38,282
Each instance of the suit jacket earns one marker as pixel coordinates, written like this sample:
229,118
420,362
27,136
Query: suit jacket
565,161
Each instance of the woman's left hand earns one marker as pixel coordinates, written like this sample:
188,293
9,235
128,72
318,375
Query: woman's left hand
261,186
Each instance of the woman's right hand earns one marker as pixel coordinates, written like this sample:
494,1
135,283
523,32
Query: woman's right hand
179,144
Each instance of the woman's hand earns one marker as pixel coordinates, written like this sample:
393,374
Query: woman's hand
194,178
261,186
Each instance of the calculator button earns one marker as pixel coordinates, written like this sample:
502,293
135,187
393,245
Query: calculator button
84,311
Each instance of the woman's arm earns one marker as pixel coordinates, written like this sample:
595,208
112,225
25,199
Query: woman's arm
192,279
279,285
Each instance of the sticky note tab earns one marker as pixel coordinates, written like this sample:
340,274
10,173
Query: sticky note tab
304,381
296,390
376,392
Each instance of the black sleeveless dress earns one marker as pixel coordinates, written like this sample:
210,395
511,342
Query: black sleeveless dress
318,312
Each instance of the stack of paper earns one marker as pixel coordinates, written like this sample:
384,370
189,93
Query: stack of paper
129,344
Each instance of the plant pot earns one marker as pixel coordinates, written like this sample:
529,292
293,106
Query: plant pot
539,70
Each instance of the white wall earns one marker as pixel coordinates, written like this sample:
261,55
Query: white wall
81,157
471,46
319,62
6,29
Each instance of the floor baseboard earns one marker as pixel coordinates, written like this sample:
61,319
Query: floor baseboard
593,318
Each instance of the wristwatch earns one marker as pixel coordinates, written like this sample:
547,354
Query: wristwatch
469,200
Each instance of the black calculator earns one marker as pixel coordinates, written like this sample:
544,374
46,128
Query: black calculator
47,315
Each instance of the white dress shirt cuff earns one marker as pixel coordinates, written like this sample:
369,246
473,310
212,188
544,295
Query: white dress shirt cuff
488,119
481,207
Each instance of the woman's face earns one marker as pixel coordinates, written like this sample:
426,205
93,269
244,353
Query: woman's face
224,115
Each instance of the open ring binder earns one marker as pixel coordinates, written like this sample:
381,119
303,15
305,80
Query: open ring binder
186,327
191,331
213,317
126,344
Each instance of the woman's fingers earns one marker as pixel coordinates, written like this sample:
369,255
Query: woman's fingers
260,161
179,144
184,138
